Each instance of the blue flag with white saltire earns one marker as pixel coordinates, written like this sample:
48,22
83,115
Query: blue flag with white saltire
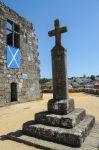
13,57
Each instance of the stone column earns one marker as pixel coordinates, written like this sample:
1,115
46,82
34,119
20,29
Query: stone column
59,71
60,104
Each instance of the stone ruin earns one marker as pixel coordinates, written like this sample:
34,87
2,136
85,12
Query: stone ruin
19,63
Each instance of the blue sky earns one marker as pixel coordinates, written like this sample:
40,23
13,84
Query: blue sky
82,39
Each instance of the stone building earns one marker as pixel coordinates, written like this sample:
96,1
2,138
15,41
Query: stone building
19,63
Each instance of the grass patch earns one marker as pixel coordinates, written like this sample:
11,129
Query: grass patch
98,147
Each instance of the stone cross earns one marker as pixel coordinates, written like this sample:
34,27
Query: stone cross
57,32
59,68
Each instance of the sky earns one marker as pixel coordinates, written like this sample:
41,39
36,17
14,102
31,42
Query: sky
81,41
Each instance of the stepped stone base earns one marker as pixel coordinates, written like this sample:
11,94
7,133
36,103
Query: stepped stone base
73,137
61,107
91,143
66,121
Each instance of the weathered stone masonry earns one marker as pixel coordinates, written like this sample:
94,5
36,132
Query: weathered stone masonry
25,78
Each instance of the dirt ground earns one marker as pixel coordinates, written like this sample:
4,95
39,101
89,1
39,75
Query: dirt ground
12,117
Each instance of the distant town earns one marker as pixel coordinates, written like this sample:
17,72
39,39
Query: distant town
73,82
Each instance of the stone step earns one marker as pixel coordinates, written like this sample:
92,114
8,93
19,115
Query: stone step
73,137
67,121
19,137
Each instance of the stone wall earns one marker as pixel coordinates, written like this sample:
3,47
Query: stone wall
27,76
91,91
86,90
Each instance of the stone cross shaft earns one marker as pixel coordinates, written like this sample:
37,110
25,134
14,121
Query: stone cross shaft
59,68
57,32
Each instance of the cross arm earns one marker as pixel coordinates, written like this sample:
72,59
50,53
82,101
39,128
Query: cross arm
63,29
59,30
51,33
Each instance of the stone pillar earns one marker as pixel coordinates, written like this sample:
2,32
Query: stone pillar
59,71
60,104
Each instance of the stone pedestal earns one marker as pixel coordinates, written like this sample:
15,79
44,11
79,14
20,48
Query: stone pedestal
60,129
61,107
91,143
63,121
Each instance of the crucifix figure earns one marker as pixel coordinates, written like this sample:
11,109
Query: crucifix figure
57,32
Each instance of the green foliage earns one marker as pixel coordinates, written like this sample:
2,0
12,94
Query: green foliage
75,84
44,80
46,83
92,77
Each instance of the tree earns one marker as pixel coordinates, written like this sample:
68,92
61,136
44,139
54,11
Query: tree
46,83
44,80
84,76
92,77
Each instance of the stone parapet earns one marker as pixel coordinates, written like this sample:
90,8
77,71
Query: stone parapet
86,90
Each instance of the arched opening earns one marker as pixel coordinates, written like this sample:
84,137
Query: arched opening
13,92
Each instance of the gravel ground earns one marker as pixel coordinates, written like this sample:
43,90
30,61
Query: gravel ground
12,117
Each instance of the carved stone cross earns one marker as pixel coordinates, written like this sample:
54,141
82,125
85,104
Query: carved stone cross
60,104
57,32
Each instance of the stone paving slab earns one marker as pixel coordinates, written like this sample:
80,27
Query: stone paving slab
46,145
74,137
91,142
67,121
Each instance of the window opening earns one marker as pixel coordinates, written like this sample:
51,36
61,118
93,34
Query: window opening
13,34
